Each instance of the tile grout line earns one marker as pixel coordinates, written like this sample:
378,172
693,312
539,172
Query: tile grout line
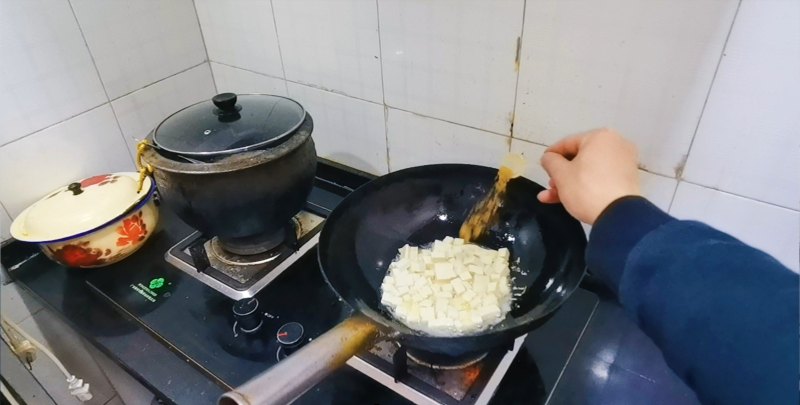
100,105
679,176
278,42
94,107
383,89
205,48
710,88
89,50
518,65
100,78
161,80
338,93
774,205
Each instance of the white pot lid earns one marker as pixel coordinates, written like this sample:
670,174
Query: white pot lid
80,207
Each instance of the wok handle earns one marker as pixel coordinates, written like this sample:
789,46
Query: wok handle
293,376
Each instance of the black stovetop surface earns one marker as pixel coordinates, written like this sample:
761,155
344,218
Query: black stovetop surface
195,322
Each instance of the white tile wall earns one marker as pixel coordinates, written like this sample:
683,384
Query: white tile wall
642,67
341,53
82,146
139,112
346,130
241,33
235,80
656,188
135,43
533,153
453,60
748,142
47,73
416,140
768,227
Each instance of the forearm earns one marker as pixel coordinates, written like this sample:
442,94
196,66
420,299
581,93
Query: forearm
724,314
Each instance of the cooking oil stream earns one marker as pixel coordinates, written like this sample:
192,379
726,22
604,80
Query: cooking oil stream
484,214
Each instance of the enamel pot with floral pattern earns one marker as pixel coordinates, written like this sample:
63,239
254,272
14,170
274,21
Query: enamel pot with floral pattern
93,222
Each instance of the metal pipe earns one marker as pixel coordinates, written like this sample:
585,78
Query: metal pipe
293,376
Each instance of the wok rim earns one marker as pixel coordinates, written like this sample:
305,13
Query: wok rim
400,331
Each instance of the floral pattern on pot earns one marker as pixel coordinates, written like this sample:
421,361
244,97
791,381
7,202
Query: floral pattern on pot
133,230
78,255
101,180
107,245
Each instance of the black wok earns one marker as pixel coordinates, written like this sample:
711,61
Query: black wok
416,206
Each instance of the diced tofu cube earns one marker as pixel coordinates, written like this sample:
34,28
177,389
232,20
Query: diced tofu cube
503,253
448,288
458,241
444,271
486,258
491,287
402,278
390,300
425,291
475,269
459,288
465,275
469,295
413,253
448,240
402,290
402,310
443,294
426,314
490,312
503,288
500,267
479,284
452,313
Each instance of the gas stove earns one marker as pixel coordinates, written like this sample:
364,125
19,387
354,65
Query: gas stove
242,276
233,322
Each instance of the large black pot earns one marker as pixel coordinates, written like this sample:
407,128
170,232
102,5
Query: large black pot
255,177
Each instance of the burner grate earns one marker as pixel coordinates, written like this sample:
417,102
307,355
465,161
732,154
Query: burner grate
242,276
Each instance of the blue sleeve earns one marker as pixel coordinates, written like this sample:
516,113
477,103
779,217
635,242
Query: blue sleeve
724,314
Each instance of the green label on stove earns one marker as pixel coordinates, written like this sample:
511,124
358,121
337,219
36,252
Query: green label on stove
148,291
156,283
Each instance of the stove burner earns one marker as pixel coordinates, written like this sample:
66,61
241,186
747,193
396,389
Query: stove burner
443,362
253,245
210,259
215,248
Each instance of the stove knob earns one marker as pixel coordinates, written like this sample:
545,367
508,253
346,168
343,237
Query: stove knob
248,319
290,337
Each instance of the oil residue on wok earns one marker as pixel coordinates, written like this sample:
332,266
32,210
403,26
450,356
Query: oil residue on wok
484,213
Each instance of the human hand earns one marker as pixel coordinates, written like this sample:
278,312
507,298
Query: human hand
589,171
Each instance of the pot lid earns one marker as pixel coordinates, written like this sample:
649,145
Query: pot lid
229,123
80,207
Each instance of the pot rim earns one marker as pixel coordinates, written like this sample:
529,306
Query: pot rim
228,152
235,162
142,202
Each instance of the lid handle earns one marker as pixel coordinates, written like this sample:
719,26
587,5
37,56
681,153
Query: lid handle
225,102
75,188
